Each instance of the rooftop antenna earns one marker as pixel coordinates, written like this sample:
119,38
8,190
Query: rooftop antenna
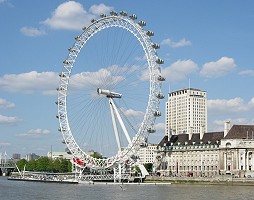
169,88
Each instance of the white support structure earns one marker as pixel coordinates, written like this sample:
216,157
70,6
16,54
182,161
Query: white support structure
114,125
120,121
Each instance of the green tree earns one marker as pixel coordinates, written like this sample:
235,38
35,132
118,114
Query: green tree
21,163
31,165
96,155
43,164
149,167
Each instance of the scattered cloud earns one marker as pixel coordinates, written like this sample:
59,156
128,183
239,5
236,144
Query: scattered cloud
72,15
32,32
95,79
69,15
218,68
35,133
99,9
224,106
8,121
6,104
247,72
135,113
218,125
160,126
179,70
5,144
30,82
181,43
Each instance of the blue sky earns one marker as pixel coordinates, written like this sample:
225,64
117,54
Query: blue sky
210,43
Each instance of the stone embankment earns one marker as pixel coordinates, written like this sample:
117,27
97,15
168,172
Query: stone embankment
223,180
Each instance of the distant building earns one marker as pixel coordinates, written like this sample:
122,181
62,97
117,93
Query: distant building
147,154
186,112
227,152
63,155
31,156
16,156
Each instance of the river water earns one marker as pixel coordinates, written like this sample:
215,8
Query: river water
17,190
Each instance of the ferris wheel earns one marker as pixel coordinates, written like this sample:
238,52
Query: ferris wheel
109,93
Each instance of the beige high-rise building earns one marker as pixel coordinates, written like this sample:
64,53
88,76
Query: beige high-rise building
186,112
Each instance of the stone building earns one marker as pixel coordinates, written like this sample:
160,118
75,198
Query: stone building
147,154
209,154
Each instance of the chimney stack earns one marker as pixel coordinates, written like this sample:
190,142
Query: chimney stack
226,127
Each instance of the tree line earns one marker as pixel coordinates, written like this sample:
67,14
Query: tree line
45,164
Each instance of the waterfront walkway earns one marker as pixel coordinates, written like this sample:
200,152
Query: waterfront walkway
228,180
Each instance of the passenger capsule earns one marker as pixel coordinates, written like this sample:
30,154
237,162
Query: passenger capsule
133,16
103,15
156,46
123,13
84,28
161,78
160,95
78,38
151,130
142,23
67,151
159,61
93,20
62,74
59,102
113,13
67,62
143,145
157,114
150,33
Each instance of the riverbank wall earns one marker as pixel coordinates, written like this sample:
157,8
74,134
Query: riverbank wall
223,180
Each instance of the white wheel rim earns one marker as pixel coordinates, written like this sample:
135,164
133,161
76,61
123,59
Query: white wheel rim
153,100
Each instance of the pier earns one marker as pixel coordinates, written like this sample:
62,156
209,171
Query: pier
6,169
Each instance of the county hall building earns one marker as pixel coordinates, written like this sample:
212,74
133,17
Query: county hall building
187,149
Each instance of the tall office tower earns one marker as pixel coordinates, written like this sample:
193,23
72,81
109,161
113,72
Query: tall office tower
186,112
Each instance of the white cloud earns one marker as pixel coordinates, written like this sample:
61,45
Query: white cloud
135,113
5,144
69,15
218,68
8,121
179,70
181,43
35,133
218,125
32,32
247,72
160,126
95,79
6,104
30,82
224,106
99,9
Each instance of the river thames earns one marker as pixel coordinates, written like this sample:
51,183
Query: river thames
10,190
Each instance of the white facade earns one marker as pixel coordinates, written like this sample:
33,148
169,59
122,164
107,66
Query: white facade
147,154
228,152
63,155
190,160
186,112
